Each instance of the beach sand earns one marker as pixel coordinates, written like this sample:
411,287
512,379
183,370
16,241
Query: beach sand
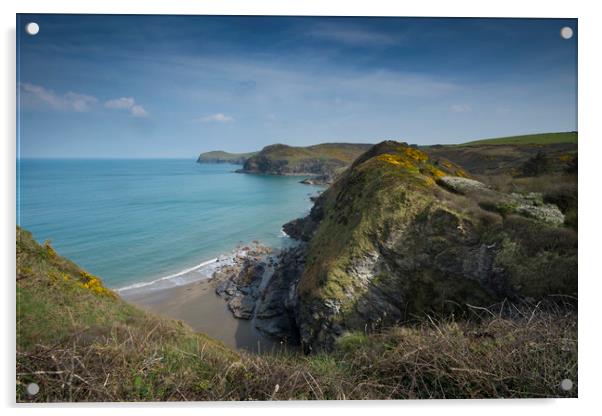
197,305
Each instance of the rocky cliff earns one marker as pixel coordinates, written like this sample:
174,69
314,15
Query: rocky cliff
400,234
324,160
219,156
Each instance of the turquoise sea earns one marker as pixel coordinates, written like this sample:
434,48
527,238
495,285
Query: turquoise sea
133,222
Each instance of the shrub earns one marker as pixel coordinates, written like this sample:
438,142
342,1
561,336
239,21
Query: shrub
536,165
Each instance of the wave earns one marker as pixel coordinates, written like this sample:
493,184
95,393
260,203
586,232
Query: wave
204,271
201,271
171,276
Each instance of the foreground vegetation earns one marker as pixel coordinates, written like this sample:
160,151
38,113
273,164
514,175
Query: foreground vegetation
81,342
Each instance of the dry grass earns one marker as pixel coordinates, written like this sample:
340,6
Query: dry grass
526,356
79,345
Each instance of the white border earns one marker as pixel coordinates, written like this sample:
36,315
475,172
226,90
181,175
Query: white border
590,137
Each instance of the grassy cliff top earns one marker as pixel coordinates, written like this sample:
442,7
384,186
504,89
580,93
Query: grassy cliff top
322,159
542,138
345,152
219,156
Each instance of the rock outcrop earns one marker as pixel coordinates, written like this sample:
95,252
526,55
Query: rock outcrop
239,283
396,236
277,309
324,179
399,235
529,205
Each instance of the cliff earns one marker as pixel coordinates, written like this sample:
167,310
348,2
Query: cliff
219,156
401,234
327,159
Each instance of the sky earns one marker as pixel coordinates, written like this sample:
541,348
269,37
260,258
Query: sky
119,86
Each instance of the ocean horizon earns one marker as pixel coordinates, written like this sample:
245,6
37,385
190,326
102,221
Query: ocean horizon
145,223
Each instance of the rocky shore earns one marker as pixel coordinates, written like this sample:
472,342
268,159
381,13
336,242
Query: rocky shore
259,285
239,283
325,179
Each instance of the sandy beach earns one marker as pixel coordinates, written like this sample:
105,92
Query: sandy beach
197,305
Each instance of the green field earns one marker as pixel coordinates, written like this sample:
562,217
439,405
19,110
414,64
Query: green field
543,138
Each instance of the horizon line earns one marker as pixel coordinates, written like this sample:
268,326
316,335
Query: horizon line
258,150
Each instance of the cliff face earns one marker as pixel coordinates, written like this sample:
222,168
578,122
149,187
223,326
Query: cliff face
219,156
400,234
325,160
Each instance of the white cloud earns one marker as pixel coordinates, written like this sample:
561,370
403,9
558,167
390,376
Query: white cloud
217,118
120,103
127,103
351,35
460,108
36,96
139,111
70,101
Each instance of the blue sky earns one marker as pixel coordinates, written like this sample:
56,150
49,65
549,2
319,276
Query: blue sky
174,86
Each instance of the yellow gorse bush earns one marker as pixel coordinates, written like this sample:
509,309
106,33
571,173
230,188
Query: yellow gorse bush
415,154
94,284
397,160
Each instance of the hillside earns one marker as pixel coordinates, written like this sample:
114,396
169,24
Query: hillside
90,345
325,159
400,234
508,156
219,156
323,162
80,342
542,138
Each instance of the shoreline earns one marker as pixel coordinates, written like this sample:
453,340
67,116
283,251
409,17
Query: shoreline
143,284
203,304
197,273
197,305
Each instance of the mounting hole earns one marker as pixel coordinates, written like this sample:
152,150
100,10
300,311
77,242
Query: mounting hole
32,28
566,32
33,389
566,384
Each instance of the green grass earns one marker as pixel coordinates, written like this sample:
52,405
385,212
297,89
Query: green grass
81,344
544,138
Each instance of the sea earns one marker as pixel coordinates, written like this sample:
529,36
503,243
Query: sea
154,223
